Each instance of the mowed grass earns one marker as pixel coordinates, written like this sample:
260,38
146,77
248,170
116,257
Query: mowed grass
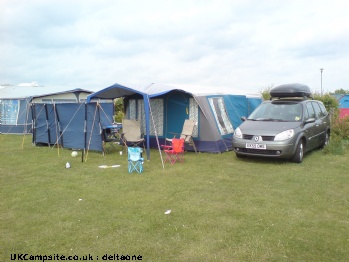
222,208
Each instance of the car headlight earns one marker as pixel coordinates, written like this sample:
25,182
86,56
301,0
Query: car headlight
284,135
237,133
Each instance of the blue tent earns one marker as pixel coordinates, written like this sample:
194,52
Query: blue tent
71,125
15,115
162,109
343,101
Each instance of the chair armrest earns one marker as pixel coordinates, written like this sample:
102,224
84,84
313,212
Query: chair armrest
166,146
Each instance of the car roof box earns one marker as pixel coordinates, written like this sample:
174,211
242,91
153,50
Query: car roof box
290,90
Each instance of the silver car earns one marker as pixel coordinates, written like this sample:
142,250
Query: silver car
283,128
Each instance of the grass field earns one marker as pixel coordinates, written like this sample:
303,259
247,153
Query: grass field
222,208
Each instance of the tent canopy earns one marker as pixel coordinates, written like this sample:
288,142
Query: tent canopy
153,90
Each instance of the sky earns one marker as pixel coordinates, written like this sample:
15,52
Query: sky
248,45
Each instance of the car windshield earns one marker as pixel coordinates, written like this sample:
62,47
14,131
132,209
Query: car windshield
276,111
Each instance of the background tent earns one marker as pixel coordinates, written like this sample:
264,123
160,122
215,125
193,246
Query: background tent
162,110
15,115
343,105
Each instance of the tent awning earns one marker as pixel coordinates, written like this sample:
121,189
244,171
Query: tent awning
151,90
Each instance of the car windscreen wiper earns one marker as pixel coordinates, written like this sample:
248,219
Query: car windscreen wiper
266,119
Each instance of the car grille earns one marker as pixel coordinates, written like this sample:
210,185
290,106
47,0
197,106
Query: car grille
265,138
259,151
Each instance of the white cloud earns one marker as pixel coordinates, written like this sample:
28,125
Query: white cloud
243,44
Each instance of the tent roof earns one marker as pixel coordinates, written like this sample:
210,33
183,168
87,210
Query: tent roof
342,96
18,92
154,89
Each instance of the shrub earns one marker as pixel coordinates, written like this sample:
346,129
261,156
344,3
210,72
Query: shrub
119,116
330,102
339,136
265,92
340,127
119,110
335,146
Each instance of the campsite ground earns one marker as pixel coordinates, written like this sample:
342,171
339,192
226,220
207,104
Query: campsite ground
222,208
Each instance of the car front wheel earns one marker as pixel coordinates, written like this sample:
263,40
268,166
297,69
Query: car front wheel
298,156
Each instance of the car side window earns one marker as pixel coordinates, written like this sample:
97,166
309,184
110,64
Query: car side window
310,110
317,109
323,109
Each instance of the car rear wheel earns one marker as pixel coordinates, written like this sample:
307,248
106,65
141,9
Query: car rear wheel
327,139
298,156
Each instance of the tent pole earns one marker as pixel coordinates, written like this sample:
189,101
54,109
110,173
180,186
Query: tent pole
85,126
47,126
57,129
147,127
156,134
33,110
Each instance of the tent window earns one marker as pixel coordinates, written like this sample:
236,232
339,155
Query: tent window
136,111
157,111
221,116
9,112
133,109
141,114
194,114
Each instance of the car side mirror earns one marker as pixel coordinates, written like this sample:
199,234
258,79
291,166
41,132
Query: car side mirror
243,118
309,120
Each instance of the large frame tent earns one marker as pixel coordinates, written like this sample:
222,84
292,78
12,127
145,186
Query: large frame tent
15,104
162,109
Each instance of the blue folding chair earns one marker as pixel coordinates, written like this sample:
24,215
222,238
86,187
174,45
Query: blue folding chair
135,159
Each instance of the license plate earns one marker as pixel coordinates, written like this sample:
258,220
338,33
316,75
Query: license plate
256,146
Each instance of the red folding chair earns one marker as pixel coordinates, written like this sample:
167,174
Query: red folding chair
174,152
